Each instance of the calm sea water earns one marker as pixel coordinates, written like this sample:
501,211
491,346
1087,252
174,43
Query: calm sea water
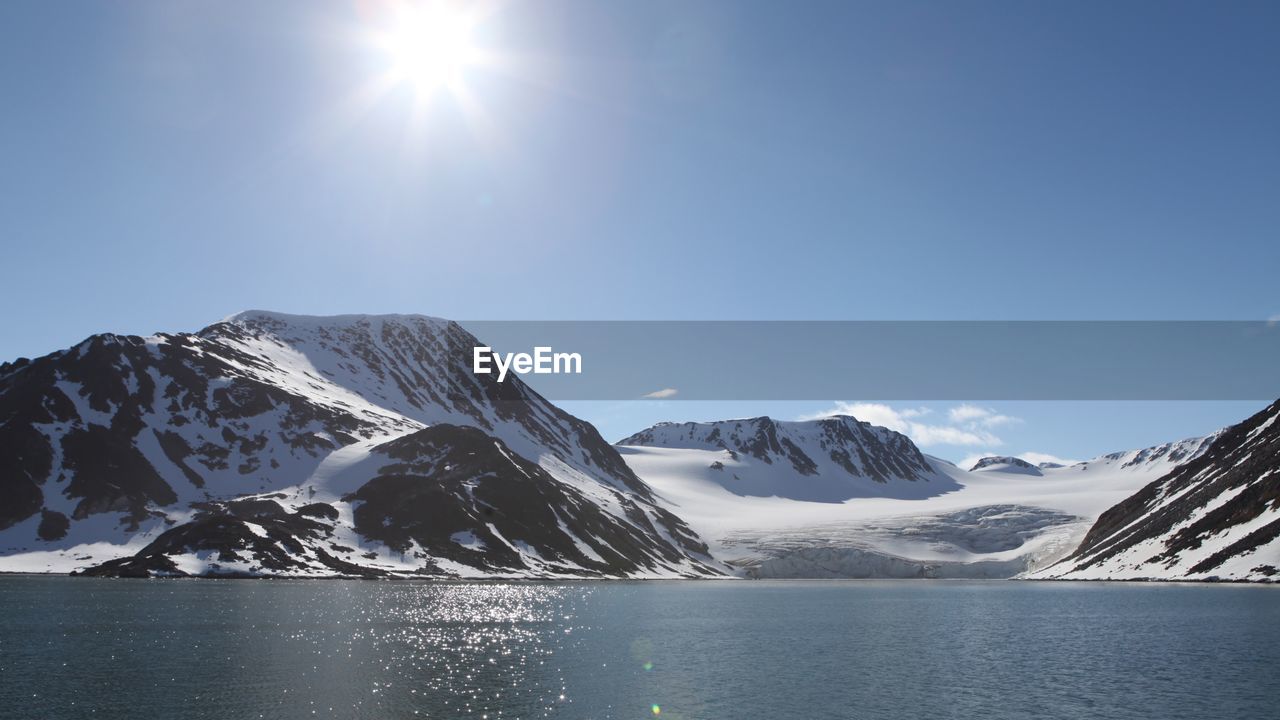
78,647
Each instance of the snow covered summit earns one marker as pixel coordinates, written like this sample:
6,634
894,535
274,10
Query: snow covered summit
1003,463
827,460
259,445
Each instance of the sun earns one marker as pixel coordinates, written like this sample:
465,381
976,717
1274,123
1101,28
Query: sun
430,45
432,60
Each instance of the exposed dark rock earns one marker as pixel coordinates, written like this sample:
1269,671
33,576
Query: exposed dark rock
53,525
319,510
285,542
109,473
448,480
177,450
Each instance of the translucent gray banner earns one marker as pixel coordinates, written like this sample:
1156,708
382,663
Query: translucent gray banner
900,360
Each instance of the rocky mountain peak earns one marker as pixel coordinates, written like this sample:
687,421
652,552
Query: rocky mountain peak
142,429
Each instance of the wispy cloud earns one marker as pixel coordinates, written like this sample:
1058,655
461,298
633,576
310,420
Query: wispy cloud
965,424
1036,458
972,459
926,435
974,415
663,393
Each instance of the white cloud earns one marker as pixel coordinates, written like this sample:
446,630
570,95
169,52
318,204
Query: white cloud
663,393
974,415
964,413
1035,458
905,421
926,435
972,459
874,413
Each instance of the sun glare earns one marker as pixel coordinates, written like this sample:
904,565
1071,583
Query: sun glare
430,45
429,54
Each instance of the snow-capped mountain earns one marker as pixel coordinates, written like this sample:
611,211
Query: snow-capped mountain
828,460
270,444
999,520
1217,515
1166,456
1004,463
1156,458
264,444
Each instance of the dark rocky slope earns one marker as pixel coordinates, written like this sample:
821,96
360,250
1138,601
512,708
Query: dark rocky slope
1215,517
445,500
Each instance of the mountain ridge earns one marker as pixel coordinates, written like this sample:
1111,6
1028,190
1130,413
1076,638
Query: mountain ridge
829,459
1215,516
1000,520
168,429
364,445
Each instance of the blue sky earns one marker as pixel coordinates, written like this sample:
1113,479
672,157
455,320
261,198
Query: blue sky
166,164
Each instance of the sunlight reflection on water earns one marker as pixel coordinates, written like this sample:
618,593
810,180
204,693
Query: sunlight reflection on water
81,647
285,649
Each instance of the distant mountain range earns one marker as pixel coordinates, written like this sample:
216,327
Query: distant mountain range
748,487
272,444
